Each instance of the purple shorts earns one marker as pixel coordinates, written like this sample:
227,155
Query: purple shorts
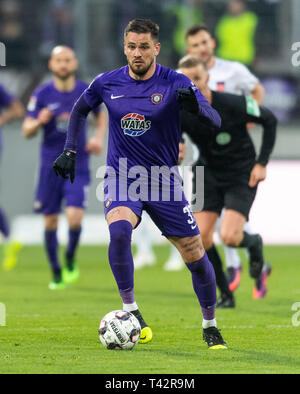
173,218
53,190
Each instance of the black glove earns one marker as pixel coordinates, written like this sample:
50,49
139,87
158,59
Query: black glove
64,165
188,100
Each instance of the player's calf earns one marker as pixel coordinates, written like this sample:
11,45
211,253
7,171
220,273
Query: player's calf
254,244
121,262
227,299
204,283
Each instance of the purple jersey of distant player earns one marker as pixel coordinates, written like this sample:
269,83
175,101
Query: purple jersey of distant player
144,116
61,104
6,100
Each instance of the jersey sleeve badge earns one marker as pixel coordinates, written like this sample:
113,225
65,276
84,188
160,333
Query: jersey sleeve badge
32,104
252,107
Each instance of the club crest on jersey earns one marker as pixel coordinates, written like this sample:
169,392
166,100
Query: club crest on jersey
156,98
62,122
108,203
135,125
32,104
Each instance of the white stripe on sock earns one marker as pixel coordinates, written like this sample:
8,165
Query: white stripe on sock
130,307
209,323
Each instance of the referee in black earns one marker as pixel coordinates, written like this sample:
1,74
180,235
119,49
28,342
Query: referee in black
232,172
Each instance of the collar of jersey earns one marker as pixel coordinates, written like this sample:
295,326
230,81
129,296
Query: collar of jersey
66,92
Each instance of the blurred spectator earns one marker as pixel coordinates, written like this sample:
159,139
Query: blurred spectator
236,33
186,15
58,25
12,33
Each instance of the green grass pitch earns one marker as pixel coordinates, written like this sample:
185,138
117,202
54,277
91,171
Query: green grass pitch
57,332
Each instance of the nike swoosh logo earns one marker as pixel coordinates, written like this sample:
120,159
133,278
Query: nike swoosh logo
143,337
115,97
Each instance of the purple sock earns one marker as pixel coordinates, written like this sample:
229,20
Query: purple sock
51,245
4,227
127,296
204,283
74,236
120,258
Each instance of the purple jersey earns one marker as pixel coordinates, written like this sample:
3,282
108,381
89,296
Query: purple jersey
144,116
61,104
6,100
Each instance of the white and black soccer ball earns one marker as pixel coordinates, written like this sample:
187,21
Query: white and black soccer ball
119,330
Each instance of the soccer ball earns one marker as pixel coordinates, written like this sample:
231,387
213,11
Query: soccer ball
119,330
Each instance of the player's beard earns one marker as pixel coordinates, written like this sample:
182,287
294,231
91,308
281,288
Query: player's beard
140,72
208,59
64,76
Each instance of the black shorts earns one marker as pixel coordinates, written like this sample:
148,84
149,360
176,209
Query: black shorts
222,190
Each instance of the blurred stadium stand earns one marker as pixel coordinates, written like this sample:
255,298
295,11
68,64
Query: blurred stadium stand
31,28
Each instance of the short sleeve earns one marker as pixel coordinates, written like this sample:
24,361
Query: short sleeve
245,79
34,105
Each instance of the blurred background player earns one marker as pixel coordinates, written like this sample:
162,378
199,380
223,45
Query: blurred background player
231,77
231,174
235,32
224,75
10,109
49,109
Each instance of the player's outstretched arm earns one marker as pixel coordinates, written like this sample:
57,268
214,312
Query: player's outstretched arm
77,121
32,125
261,115
13,112
64,165
195,103
269,123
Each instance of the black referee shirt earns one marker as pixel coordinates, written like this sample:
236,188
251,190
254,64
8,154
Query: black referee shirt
230,148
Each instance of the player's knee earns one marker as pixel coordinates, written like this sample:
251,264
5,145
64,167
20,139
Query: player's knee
191,249
51,222
231,238
207,240
75,224
74,216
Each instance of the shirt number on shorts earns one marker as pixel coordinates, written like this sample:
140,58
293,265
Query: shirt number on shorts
191,219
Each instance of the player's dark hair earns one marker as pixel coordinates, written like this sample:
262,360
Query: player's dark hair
190,61
196,29
141,25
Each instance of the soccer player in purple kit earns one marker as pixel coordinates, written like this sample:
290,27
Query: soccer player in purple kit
49,108
144,101
10,109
